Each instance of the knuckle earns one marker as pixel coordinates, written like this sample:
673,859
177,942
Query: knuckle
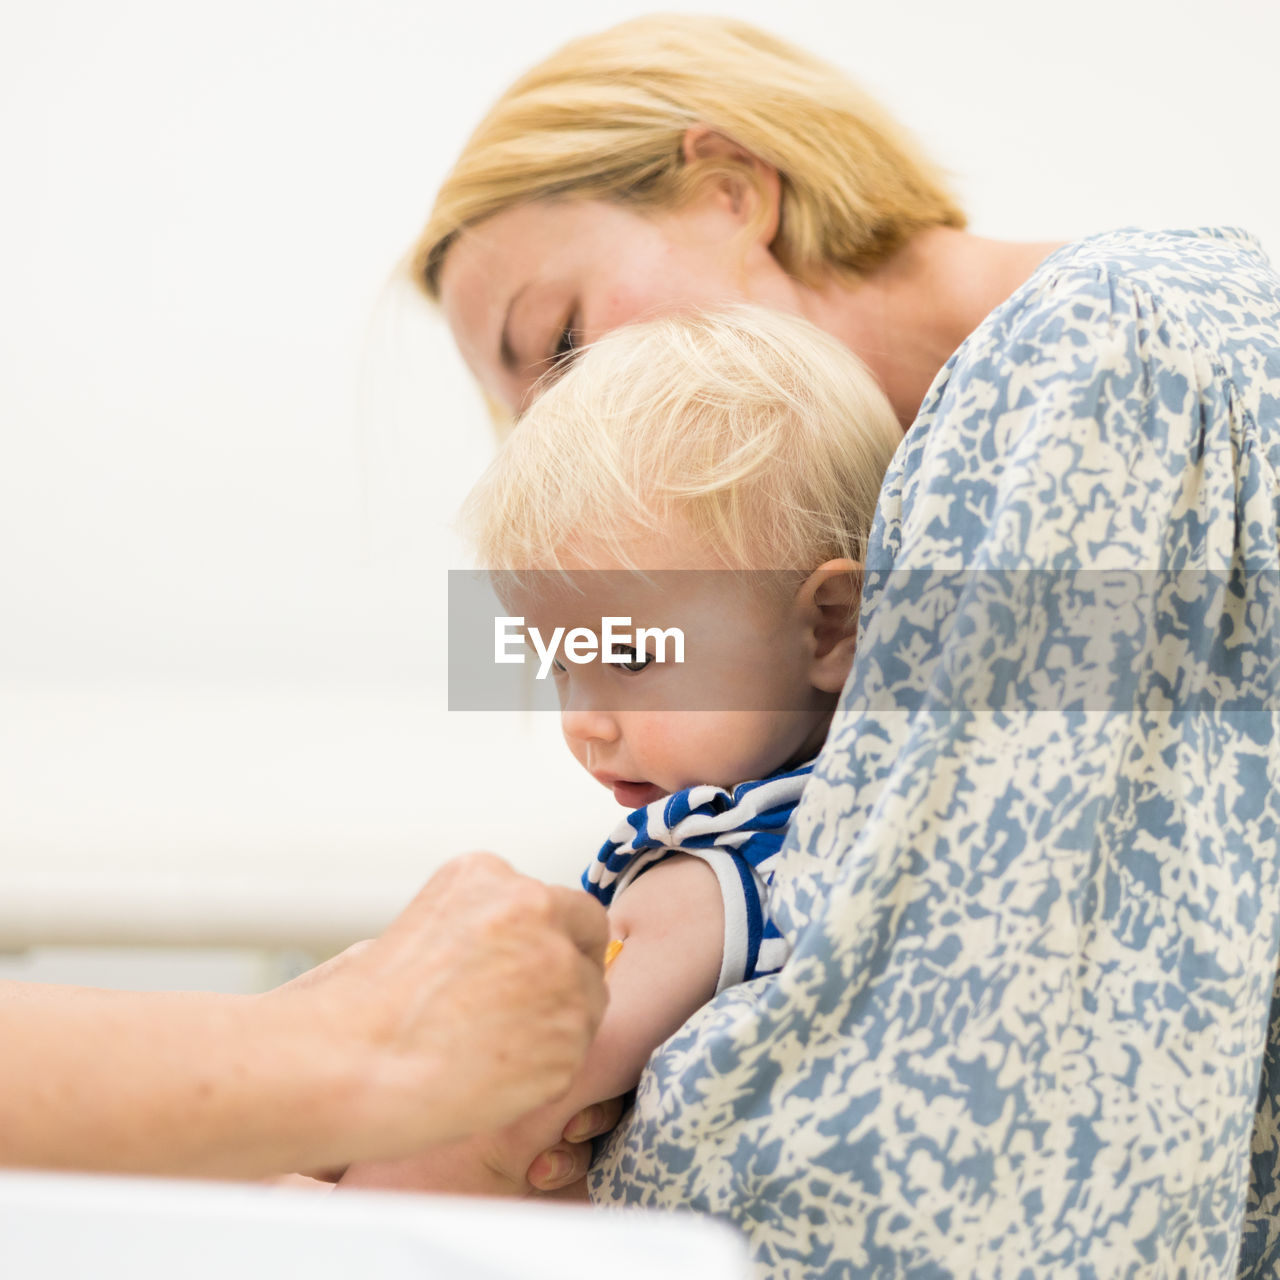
526,908
539,902
562,967
480,864
577,1025
560,1077
494,928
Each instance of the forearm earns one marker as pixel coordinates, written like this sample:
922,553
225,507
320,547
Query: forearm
188,1083
392,1046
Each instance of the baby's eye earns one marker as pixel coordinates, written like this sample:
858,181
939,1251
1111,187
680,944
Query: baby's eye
636,661
558,667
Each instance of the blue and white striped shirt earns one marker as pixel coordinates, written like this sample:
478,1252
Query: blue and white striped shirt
738,834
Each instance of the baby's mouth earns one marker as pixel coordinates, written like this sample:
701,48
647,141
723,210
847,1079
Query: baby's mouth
634,795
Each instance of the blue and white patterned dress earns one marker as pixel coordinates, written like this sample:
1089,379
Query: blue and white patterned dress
1028,1027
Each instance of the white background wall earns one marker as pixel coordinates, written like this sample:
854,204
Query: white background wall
230,449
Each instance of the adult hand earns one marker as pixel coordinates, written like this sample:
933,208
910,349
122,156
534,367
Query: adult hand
475,1006
569,1160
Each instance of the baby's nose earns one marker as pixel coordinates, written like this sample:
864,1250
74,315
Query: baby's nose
589,724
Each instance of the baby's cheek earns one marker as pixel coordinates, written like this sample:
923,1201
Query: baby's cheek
665,748
665,740
728,746
771,739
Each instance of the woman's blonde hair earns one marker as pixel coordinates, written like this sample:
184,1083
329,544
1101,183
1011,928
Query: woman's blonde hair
605,118
745,433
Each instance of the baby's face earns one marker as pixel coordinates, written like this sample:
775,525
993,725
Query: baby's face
738,707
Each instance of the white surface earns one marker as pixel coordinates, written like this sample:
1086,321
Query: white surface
68,1228
273,817
229,453
157,968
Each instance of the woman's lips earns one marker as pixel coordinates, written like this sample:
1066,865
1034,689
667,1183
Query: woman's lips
633,795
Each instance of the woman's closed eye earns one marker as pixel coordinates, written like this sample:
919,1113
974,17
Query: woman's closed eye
566,345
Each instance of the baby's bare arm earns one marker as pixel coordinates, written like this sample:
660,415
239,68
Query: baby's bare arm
671,921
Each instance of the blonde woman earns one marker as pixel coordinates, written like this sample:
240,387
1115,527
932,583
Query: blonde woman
1033,889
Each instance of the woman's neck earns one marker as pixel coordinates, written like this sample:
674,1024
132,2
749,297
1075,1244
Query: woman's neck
907,317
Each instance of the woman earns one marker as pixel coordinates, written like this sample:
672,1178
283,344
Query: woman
478,1002
1033,890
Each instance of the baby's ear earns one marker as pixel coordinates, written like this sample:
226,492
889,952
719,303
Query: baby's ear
829,598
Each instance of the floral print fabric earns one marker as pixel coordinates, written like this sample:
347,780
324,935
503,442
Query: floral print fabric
1033,888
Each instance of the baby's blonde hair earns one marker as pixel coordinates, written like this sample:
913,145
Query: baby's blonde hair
605,118
750,435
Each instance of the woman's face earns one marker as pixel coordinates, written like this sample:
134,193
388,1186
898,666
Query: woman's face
525,288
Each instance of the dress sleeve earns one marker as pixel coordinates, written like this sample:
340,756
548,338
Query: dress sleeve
1031,889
